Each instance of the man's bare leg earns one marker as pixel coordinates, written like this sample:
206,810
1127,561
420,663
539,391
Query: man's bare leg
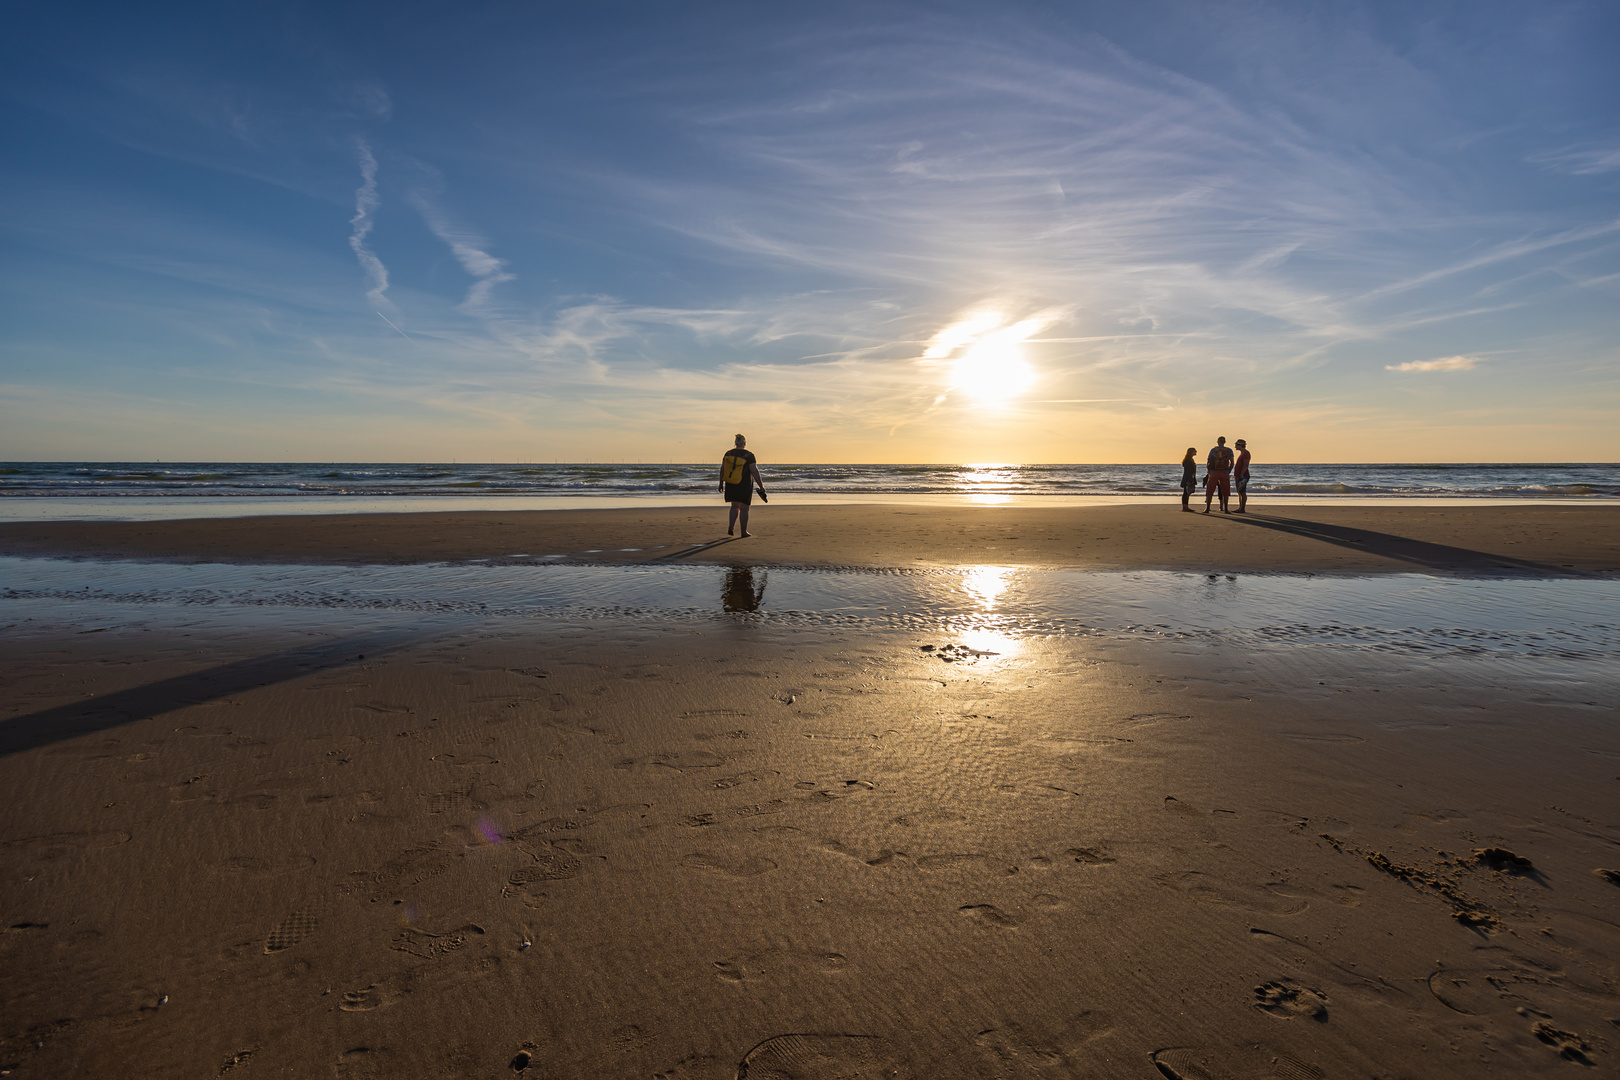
731,526
743,515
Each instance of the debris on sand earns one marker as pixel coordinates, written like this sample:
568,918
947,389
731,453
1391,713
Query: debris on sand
952,653
1503,861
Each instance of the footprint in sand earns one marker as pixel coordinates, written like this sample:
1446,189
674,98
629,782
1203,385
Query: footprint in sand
440,802
1233,1063
367,998
1306,962
989,914
695,1067
818,1057
1287,999
405,870
1092,856
550,864
736,866
1570,1046
1272,898
952,861
1484,991
734,971
1015,1050
297,926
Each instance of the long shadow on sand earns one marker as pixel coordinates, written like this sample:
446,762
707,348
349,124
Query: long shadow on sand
696,548
139,702
1403,548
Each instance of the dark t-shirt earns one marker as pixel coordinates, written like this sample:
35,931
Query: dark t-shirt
1242,470
1220,459
742,490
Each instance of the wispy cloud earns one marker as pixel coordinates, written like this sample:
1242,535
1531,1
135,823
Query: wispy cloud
1583,160
366,202
470,251
1445,363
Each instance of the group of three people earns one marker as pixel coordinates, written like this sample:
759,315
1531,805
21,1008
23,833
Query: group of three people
1224,471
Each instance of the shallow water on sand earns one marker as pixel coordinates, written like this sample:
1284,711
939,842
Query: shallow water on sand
988,610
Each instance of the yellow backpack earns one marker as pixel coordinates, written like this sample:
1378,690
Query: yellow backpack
735,468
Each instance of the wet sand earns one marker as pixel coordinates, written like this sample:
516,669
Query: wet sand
1299,538
754,848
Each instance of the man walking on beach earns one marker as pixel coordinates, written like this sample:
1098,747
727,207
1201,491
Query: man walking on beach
1240,477
1220,475
738,475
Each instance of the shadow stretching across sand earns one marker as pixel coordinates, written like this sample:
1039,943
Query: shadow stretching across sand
139,702
1402,548
697,548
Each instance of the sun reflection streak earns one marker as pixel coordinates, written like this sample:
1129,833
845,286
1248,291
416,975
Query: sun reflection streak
986,585
987,640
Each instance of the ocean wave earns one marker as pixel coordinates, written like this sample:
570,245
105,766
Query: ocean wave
449,480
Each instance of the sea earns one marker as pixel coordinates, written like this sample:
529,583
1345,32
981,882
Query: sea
337,480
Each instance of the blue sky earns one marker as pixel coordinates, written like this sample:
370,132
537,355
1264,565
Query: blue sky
858,232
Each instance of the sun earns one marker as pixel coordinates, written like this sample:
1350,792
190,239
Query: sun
988,346
993,370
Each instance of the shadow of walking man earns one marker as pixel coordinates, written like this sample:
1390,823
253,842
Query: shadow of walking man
121,707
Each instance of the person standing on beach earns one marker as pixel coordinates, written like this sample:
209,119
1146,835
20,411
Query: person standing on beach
738,476
1189,477
1240,476
1220,475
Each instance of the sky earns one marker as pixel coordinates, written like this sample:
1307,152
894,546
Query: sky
856,232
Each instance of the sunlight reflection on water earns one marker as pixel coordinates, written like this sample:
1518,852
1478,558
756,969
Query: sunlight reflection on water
990,609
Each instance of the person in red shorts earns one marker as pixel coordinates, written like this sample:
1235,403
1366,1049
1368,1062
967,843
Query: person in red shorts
1240,476
1220,475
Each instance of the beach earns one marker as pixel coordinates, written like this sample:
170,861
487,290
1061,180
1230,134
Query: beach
1026,810
1283,538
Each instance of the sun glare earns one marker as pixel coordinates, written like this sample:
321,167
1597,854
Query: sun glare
990,365
993,370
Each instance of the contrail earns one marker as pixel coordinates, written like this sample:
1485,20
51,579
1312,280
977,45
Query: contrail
390,322
365,205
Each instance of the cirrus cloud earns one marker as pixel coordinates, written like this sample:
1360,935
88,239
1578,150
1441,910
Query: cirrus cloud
1445,363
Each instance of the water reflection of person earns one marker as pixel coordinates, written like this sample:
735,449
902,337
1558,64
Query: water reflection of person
741,593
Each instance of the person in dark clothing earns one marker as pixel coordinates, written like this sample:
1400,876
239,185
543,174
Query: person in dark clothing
1220,475
1189,477
739,475
1240,476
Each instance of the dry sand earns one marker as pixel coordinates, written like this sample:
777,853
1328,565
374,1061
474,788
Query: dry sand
641,850
1288,538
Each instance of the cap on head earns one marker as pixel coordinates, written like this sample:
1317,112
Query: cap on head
1240,442
741,440
1220,440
